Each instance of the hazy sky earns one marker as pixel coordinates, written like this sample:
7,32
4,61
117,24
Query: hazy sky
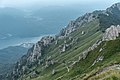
24,3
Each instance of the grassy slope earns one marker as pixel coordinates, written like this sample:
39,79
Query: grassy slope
82,70
90,37
112,56
111,53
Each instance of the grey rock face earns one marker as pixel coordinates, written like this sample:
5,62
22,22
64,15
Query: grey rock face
33,55
62,48
47,40
111,33
37,48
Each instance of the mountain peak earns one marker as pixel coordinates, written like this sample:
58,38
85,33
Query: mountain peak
116,5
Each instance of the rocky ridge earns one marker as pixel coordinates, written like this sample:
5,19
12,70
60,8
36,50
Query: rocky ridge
73,25
34,54
32,57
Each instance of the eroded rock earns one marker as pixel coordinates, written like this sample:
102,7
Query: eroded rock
111,33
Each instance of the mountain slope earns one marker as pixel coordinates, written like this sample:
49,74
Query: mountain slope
80,51
10,55
60,49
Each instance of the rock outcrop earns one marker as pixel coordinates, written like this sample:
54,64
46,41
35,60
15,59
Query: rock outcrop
84,54
109,13
100,58
114,6
33,56
111,33
73,25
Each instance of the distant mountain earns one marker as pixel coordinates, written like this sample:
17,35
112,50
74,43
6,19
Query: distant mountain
15,20
9,55
87,49
33,23
16,24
